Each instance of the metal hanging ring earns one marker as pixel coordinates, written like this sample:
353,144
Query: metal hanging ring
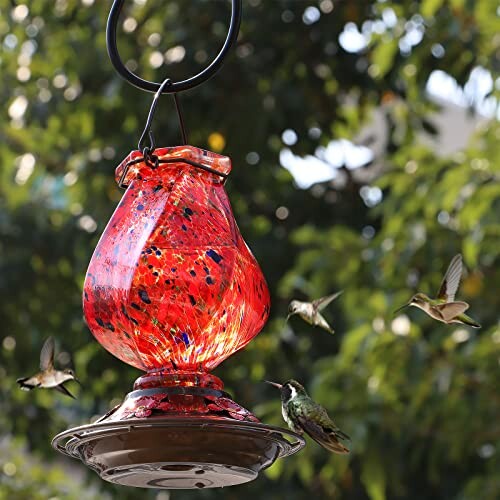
189,83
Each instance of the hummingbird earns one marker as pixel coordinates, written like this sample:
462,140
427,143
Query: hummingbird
311,311
48,377
302,414
445,308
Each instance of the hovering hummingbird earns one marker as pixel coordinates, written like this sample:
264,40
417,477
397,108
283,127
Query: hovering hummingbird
302,414
445,308
48,377
310,311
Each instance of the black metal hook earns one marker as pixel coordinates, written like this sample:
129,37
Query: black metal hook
174,87
148,132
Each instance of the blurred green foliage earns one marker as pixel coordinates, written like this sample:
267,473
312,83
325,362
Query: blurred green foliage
419,399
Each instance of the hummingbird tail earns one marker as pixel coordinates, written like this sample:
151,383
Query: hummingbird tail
23,385
332,444
327,436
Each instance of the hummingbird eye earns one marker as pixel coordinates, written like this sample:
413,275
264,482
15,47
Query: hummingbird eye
287,392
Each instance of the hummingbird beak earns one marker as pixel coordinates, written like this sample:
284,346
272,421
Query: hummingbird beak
399,309
77,381
274,384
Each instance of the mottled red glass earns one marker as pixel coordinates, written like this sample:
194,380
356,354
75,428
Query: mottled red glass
172,284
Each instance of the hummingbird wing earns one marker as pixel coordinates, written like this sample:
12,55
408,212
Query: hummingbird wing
63,389
326,437
452,309
451,280
47,355
320,304
322,429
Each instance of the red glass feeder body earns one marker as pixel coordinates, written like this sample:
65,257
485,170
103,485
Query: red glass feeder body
172,284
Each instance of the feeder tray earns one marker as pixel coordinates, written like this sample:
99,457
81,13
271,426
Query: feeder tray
208,453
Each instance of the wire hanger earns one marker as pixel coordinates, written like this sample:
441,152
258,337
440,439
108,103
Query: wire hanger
167,86
147,132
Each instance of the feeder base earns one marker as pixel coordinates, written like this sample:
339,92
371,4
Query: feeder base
178,452
180,475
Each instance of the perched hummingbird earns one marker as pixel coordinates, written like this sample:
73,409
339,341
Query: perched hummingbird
48,377
445,308
302,414
310,311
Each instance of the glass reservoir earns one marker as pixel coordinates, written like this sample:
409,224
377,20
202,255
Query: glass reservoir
172,285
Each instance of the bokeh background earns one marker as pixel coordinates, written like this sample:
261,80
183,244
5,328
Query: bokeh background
366,149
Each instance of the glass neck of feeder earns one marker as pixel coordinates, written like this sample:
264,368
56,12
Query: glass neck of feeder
163,378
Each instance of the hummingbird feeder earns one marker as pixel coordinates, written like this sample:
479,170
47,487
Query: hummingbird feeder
172,289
